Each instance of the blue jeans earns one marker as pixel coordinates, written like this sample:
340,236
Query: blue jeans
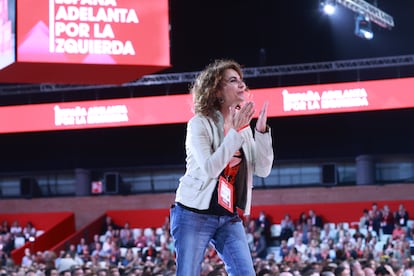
192,233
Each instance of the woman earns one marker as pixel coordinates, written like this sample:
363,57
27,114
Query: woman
222,156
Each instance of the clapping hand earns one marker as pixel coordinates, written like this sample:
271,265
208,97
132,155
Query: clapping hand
261,123
243,115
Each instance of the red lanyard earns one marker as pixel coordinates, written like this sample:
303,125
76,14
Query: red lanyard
231,172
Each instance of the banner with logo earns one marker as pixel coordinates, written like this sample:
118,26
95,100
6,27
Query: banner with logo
172,109
7,32
93,31
84,41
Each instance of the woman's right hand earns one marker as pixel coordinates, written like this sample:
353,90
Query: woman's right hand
243,115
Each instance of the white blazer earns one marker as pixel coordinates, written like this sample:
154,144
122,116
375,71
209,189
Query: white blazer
208,153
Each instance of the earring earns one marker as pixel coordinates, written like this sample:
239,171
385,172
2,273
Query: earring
220,100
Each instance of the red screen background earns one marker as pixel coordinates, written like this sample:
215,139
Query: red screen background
157,110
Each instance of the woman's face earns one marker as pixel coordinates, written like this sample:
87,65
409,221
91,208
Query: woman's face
233,88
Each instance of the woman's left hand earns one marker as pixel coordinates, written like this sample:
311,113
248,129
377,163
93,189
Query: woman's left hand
261,124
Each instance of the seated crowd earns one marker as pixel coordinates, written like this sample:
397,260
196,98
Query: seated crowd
14,235
381,243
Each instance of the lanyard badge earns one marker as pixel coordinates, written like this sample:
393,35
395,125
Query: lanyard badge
225,194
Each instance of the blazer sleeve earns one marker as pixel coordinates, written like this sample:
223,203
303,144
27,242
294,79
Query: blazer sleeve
264,153
203,143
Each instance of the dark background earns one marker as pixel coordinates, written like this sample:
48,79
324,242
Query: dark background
255,33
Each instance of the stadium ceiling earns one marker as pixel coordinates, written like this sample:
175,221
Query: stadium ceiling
249,72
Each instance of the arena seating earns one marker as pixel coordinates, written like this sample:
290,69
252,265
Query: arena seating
59,228
52,228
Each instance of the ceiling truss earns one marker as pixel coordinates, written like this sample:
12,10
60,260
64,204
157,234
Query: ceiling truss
375,14
249,72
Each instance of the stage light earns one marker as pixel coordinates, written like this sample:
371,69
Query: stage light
376,15
366,15
363,27
329,9
328,6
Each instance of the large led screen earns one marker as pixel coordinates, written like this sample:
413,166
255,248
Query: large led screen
7,32
283,101
121,32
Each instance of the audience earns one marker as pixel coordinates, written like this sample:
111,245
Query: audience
288,227
305,247
401,215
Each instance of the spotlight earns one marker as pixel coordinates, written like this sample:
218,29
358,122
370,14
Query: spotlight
328,6
363,27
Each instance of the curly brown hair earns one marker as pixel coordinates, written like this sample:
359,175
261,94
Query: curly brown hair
204,89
